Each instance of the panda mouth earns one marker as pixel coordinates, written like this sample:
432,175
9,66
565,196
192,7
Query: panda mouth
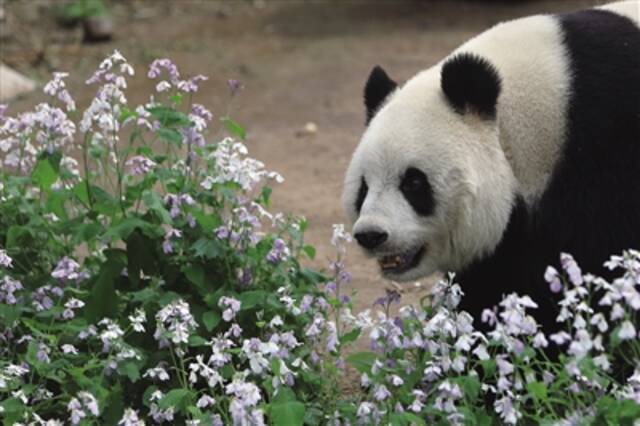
399,263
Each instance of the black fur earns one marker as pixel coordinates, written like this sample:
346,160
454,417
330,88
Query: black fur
470,82
591,207
417,191
378,87
362,194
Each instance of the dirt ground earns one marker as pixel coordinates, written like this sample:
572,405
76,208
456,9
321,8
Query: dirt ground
300,61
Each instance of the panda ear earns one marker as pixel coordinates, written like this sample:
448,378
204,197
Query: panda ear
471,83
378,87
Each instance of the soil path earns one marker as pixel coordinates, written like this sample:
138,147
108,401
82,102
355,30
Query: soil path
300,61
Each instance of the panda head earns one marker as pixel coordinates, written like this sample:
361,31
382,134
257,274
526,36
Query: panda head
429,187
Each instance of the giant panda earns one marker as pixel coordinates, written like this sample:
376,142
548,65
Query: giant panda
521,144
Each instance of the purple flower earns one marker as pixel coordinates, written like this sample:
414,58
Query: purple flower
70,305
130,418
167,248
140,165
279,252
57,88
244,277
572,269
158,65
8,288
222,232
232,305
235,86
330,288
198,110
191,85
381,393
43,353
41,298
553,278
66,270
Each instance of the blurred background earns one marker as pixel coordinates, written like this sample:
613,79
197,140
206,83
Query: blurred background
303,65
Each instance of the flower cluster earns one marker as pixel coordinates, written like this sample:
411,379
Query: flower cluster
188,86
156,288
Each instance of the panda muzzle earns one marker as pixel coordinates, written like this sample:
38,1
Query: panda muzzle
399,263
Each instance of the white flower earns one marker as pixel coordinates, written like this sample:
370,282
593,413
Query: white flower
205,401
175,321
627,331
157,372
560,338
130,418
617,312
137,320
69,349
163,86
481,352
5,260
381,393
540,341
504,407
232,305
396,380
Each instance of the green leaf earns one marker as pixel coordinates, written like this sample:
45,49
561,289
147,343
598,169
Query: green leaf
234,128
412,419
287,413
538,389
18,236
103,300
169,117
55,204
9,314
210,320
313,276
155,203
207,248
123,229
471,386
170,135
197,341
310,251
176,398
251,299
362,361
12,410
350,336
130,369
114,406
44,175
265,195
195,274
207,221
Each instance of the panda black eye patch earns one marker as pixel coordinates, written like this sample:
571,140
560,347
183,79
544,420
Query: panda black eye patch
416,189
362,194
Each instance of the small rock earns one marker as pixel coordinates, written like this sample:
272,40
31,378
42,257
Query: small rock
98,28
309,129
13,84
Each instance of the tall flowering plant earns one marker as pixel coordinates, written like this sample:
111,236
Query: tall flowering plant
430,364
147,280
143,280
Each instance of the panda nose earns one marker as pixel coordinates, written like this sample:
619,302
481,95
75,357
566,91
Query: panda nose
371,239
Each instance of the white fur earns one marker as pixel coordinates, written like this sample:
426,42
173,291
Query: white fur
534,66
476,167
630,9
423,131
